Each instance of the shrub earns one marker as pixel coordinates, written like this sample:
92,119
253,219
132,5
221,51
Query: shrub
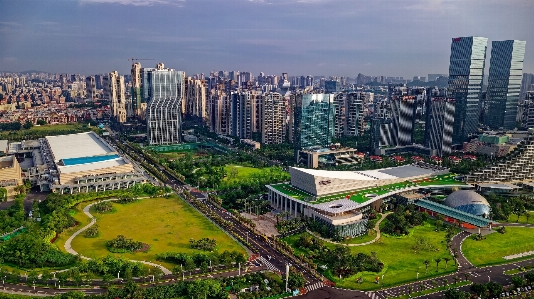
92,231
121,244
103,207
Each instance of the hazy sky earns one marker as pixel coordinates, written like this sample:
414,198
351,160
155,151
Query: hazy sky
300,37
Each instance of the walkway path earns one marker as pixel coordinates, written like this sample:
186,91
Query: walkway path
376,228
68,246
457,242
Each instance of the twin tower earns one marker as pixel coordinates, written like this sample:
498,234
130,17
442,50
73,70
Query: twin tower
466,75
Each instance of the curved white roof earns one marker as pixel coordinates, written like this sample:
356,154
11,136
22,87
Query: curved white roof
405,171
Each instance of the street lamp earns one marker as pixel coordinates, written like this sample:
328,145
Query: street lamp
417,275
247,237
118,274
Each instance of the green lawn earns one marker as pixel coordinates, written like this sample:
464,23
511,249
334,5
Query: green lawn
59,127
242,171
491,250
164,224
402,262
522,218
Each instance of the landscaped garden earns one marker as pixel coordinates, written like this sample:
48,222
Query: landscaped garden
403,258
166,224
237,172
495,246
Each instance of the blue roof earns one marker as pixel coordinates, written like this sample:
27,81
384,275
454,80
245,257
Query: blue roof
454,213
87,160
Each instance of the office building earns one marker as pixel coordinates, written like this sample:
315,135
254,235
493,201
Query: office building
439,121
527,111
90,88
114,91
504,83
195,98
466,74
382,132
332,86
136,89
273,127
163,90
10,174
313,120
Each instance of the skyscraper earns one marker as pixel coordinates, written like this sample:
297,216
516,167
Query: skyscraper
246,113
466,73
163,89
504,83
439,121
136,88
90,88
313,120
114,91
273,125
195,98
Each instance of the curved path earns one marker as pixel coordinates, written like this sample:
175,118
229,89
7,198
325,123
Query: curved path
68,246
376,228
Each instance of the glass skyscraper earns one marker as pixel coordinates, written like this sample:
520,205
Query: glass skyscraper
314,120
466,73
163,90
504,83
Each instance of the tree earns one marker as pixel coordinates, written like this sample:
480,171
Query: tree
438,260
479,289
426,262
494,289
28,125
296,280
518,281
446,259
456,294
46,276
467,275
32,277
530,277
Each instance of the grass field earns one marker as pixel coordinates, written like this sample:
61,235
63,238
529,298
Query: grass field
491,250
242,171
402,262
59,127
164,224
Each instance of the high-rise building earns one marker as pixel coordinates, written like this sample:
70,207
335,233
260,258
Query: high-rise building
403,107
527,84
466,74
163,91
349,118
195,98
332,86
439,121
114,91
136,88
273,125
90,88
220,107
246,113
313,120
504,83
527,111
382,132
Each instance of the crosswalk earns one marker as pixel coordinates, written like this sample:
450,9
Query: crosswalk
314,286
372,295
268,264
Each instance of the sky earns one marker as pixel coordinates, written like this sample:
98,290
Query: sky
301,37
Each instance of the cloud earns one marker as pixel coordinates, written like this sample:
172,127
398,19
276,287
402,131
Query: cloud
137,2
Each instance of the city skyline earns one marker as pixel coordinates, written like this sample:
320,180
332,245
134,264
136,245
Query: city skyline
315,37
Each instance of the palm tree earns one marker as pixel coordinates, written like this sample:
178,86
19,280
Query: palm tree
426,262
456,278
410,288
446,259
438,260
421,286
445,281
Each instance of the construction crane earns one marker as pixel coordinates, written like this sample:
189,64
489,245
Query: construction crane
136,59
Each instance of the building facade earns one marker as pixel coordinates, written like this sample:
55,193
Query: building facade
163,90
195,98
466,74
273,125
90,88
439,121
313,120
136,89
504,83
114,91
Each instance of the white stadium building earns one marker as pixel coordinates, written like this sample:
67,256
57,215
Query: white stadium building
338,198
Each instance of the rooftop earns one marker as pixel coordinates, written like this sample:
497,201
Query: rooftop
454,213
77,145
361,196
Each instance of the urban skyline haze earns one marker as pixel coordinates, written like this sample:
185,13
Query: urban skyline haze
305,37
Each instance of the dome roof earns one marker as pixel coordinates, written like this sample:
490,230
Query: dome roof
465,197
